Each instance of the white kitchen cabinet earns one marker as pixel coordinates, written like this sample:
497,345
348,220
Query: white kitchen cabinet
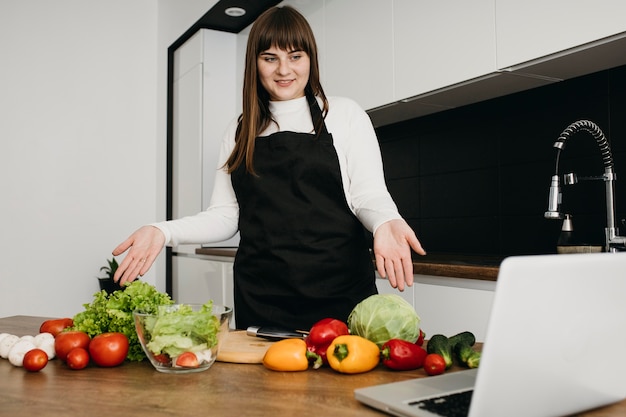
357,52
401,59
397,49
187,130
527,30
197,280
449,305
440,43
384,288
204,103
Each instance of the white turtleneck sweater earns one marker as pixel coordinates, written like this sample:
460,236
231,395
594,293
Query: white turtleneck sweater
359,160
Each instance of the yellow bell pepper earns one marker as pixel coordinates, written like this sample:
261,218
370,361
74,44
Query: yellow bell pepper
287,355
352,354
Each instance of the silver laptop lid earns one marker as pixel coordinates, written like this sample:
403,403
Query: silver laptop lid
556,336
554,345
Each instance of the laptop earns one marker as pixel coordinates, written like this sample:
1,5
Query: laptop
555,345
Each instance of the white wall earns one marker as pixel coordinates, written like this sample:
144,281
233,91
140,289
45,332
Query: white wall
82,148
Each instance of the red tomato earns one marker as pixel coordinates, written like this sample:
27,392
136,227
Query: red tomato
108,349
78,358
434,364
163,358
55,326
66,341
35,360
187,360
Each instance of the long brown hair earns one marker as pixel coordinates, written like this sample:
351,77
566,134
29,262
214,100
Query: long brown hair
284,28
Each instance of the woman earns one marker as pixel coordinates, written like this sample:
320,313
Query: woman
301,176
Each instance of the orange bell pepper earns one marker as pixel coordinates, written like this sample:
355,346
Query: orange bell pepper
288,355
352,354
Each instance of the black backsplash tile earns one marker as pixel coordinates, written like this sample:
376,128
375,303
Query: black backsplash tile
475,180
459,194
524,188
466,235
399,157
458,148
410,188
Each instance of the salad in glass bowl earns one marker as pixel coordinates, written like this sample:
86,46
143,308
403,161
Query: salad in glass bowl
182,338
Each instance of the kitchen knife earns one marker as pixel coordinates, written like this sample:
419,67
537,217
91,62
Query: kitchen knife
274,333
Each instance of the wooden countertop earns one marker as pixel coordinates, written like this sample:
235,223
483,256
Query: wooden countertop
226,389
448,265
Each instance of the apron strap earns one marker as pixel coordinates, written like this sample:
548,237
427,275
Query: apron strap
316,115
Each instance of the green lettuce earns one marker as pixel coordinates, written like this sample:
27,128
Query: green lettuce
176,330
114,313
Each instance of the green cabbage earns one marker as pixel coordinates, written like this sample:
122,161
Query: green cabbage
382,317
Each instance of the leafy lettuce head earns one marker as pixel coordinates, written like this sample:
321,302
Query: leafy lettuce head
382,317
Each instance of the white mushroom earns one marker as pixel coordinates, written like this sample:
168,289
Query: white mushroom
45,342
6,344
43,338
19,349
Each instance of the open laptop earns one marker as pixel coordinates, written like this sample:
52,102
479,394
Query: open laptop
555,345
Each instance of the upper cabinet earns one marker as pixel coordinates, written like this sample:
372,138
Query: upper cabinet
356,52
378,52
527,30
400,59
439,43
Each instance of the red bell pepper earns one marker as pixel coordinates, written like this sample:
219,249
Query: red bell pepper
402,355
420,339
322,335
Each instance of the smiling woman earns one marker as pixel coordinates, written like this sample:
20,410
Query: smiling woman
299,176
284,74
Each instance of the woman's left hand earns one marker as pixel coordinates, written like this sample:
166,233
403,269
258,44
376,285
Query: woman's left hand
393,242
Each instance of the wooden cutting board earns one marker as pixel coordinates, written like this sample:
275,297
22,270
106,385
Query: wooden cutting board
238,347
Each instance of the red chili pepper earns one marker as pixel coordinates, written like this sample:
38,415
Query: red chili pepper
322,335
401,355
420,339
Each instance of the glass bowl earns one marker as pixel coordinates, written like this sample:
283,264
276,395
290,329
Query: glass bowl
182,338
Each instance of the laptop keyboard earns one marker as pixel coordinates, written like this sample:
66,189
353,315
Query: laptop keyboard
449,405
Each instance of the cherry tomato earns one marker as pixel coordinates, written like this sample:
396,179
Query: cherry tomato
55,326
163,358
187,360
77,358
66,341
35,360
108,349
434,364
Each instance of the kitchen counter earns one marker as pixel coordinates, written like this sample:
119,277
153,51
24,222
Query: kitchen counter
448,265
136,389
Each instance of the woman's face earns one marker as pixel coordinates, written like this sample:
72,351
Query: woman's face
284,74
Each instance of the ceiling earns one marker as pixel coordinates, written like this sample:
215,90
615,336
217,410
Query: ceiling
217,19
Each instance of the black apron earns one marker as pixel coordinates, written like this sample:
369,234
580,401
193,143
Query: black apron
303,255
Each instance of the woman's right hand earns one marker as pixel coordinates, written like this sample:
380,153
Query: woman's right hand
143,246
